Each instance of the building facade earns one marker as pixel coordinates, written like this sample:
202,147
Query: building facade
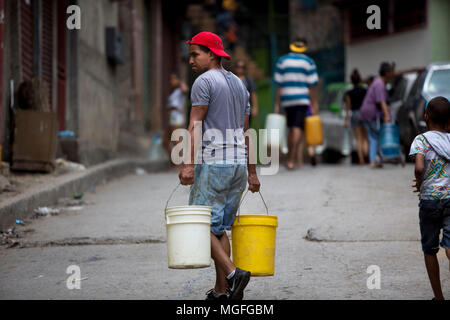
107,80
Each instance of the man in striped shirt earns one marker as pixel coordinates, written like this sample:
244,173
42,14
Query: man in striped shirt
296,79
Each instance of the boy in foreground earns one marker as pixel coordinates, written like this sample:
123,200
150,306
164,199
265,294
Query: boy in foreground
432,181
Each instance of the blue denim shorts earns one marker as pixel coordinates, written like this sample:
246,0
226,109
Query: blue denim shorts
434,215
219,186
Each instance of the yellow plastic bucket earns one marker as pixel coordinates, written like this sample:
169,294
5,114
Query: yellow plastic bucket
313,131
253,243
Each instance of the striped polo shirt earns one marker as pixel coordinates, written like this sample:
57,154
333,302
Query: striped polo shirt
295,73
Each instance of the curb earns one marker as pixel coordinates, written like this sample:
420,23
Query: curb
22,206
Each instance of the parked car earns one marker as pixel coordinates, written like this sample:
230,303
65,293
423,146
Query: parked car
399,91
431,82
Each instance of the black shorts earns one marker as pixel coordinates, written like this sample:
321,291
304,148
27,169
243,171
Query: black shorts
434,216
295,116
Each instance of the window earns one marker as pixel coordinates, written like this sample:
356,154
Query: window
439,82
396,16
409,14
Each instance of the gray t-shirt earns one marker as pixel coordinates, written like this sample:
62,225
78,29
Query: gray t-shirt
223,127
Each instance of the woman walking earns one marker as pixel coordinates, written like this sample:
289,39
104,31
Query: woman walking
353,101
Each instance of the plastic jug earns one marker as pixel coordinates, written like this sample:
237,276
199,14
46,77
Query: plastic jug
389,140
313,131
276,121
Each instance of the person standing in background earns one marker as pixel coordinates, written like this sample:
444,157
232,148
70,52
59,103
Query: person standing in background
176,104
353,101
240,70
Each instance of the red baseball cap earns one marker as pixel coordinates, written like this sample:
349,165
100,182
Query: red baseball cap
212,41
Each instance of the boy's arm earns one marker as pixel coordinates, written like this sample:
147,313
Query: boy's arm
253,181
186,175
419,171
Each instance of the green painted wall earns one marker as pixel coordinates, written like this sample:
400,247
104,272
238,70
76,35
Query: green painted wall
439,29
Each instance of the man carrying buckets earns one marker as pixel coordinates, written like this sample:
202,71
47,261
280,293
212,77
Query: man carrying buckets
221,102
296,80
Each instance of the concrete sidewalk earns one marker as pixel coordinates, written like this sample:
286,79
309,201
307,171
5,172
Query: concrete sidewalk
22,206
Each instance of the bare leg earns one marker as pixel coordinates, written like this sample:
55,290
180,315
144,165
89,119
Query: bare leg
293,141
301,146
432,265
220,252
359,144
221,283
311,154
365,140
447,252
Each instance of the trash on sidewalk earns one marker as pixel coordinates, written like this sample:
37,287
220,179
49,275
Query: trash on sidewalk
64,166
9,238
141,172
20,222
78,196
45,211
70,204
73,208
5,185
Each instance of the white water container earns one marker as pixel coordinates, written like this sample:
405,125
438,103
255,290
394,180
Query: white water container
277,122
188,236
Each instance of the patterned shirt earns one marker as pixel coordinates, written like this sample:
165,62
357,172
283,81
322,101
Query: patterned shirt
295,73
436,183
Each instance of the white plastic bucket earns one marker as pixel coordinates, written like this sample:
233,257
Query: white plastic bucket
188,236
276,121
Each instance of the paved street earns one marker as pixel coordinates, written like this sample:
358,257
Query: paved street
359,217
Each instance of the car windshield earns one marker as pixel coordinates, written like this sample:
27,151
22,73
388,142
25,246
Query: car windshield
439,82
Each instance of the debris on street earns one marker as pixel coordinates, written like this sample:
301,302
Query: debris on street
9,238
45,211
64,166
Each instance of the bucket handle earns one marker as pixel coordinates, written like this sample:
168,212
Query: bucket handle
170,197
262,198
